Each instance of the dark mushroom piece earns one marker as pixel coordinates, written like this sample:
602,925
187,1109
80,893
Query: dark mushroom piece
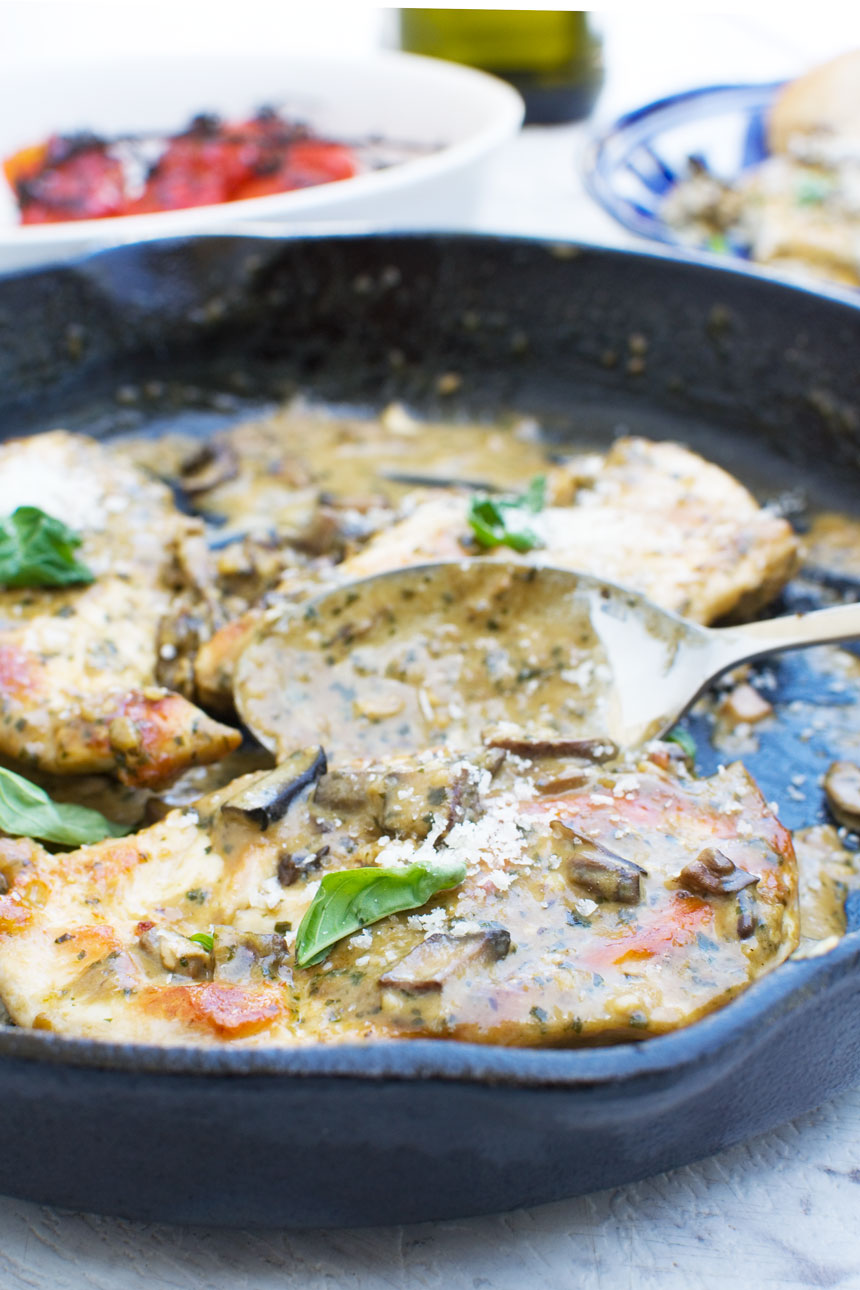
345,792
562,783
525,745
842,788
599,872
244,958
403,802
412,800
442,956
177,953
212,464
746,914
269,797
713,874
322,534
293,865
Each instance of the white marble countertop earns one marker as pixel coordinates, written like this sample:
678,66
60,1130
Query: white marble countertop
780,1211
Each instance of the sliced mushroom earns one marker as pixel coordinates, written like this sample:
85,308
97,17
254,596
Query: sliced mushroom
413,799
595,869
114,974
746,914
525,745
249,566
247,957
403,800
269,797
177,953
212,464
178,638
321,534
491,759
443,956
345,792
293,865
713,874
562,783
842,787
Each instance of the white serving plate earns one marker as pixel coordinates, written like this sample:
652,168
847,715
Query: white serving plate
397,96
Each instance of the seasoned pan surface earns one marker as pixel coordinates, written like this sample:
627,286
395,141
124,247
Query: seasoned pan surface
761,378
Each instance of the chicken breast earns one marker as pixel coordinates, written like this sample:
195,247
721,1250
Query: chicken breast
652,516
596,905
655,517
78,690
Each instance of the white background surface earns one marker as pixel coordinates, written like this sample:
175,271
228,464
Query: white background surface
781,1211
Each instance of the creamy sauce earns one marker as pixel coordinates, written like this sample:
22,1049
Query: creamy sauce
605,898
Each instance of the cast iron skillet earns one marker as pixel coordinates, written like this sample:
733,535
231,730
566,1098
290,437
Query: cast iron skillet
760,376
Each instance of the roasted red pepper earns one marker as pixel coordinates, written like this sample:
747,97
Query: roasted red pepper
85,177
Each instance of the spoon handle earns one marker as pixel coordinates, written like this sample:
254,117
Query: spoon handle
822,626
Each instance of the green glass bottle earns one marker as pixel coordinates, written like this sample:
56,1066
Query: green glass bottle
552,56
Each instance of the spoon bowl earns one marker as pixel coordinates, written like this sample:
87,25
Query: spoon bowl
508,654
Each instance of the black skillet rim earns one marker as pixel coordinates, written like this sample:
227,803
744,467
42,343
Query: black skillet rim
665,1058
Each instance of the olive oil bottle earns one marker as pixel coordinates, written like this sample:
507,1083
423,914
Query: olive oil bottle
552,56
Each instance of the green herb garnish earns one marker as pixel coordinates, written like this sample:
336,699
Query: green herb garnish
684,740
204,939
718,243
37,550
26,811
504,521
349,899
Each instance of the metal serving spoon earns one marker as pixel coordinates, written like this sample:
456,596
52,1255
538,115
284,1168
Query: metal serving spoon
508,654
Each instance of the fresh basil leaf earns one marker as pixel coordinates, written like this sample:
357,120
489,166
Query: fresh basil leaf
684,740
27,811
503,521
37,550
492,526
204,939
349,899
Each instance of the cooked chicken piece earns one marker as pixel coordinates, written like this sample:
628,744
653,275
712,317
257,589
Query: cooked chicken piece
827,874
186,933
652,516
78,689
658,518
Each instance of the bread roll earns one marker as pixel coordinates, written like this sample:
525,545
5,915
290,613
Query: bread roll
826,98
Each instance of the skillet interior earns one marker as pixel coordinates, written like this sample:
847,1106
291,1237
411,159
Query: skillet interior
757,376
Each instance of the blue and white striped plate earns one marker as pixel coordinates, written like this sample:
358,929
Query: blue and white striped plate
632,164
